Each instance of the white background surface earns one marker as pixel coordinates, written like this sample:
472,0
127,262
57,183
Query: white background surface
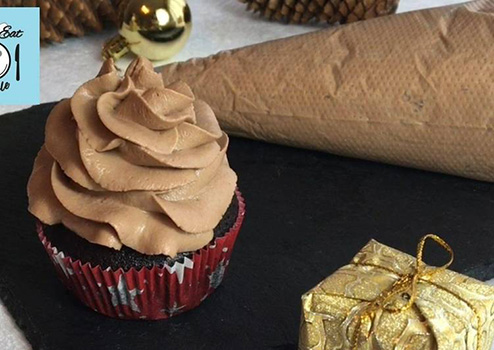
218,25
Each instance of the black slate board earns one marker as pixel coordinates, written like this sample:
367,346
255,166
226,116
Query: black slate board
308,213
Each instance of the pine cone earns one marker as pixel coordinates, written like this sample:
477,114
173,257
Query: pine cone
330,11
120,6
59,18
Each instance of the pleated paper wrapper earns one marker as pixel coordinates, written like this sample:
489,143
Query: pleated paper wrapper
413,89
149,293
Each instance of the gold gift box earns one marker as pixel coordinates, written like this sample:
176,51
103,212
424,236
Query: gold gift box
388,300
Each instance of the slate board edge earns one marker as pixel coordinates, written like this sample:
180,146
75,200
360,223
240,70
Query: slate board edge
20,316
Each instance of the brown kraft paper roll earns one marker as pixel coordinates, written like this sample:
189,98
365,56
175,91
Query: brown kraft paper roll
415,89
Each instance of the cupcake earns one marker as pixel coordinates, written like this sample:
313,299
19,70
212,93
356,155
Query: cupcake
135,201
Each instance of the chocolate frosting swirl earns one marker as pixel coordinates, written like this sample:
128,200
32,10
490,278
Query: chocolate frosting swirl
132,162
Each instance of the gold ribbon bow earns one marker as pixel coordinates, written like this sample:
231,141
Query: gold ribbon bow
406,287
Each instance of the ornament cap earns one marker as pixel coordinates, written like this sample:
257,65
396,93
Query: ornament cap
115,48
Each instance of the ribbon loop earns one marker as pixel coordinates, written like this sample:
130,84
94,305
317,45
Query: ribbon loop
420,265
405,286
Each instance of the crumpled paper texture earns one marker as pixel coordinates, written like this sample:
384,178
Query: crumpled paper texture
438,320
414,89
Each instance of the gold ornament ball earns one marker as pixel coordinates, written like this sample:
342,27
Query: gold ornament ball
156,29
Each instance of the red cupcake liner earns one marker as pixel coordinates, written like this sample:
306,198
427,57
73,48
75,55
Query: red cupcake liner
151,294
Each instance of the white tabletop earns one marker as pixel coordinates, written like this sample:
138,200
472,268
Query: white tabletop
218,25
